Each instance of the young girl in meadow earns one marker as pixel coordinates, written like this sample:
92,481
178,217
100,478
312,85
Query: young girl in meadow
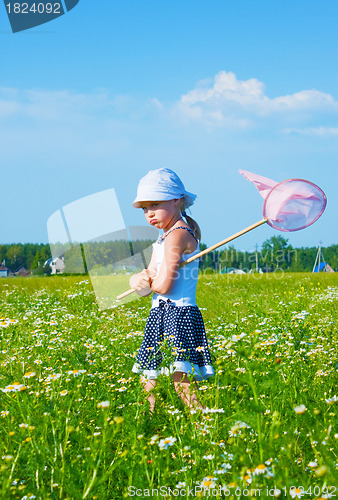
174,316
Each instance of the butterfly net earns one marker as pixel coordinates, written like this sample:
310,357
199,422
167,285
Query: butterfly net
293,204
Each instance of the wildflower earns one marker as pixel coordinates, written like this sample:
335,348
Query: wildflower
313,464
213,410
53,376
164,443
247,478
332,400
296,492
174,412
4,413
118,420
235,429
6,322
300,409
153,439
180,485
240,370
29,375
64,392
76,373
103,404
226,466
209,457
208,482
219,471
235,338
234,432
122,389
15,387
260,469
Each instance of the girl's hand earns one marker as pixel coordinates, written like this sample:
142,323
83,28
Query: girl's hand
141,283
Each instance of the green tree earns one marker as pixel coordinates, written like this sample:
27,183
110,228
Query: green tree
14,256
276,253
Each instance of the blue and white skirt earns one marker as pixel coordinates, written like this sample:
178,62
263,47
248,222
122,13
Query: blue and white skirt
174,341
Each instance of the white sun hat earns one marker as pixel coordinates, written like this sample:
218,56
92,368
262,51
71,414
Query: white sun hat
162,185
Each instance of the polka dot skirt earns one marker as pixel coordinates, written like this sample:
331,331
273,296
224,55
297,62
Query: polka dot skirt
174,338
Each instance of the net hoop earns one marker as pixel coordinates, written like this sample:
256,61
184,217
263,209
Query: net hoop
266,201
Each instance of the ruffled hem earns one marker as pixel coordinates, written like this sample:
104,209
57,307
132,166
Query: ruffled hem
199,372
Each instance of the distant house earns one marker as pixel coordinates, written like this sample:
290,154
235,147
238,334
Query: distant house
320,265
57,265
323,267
22,271
4,271
236,271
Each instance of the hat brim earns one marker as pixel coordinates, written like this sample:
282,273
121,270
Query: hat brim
188,198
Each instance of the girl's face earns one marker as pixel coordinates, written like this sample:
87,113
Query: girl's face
161,214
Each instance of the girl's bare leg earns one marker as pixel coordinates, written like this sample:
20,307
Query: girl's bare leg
148,387
184,390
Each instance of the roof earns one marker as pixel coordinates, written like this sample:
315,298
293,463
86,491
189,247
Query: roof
22,271
322,266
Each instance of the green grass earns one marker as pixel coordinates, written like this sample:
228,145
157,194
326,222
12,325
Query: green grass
274,341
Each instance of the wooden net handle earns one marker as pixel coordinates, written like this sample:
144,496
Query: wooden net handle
207,250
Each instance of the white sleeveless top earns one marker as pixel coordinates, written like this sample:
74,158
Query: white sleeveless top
183,291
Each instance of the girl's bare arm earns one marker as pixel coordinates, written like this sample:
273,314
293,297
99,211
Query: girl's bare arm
176,244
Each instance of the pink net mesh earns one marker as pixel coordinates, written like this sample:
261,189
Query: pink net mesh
290,205
293,205
263,184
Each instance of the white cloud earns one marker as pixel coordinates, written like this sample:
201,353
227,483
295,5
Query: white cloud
315,131
227,100
157,104
51,104
226,87
59,123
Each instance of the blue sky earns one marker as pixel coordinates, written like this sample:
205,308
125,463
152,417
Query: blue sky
97,97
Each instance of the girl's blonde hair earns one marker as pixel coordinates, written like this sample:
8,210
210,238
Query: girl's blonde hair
191,223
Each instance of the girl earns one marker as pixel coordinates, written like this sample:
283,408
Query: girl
174,316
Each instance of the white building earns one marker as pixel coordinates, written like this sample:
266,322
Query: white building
57,265
4,271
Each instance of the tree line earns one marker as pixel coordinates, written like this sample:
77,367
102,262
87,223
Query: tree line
275,253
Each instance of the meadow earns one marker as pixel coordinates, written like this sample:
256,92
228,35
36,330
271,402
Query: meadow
74,424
